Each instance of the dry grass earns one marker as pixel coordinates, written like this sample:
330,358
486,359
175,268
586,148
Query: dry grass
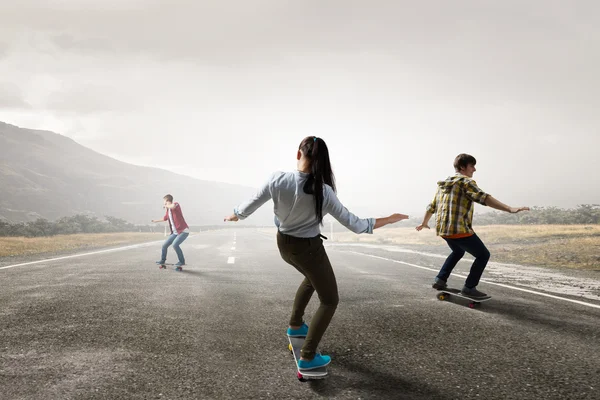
571,246
15,246
578,253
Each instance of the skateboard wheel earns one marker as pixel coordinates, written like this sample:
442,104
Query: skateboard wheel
290,348
300,377
441,297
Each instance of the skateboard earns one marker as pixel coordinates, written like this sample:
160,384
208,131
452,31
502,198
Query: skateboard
448,292
164,266
304,375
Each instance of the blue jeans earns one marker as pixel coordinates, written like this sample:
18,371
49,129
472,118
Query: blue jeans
176,240
475,247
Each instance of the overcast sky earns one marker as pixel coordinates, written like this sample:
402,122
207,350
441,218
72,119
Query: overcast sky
226,90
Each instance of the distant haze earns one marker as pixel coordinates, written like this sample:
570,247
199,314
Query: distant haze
225,91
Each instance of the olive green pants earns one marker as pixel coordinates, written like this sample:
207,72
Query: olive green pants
308,256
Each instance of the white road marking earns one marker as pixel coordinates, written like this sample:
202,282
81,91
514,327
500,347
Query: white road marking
482,280
231,260
135,246
466,259
363,272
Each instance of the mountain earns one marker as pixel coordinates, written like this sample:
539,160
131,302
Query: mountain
47,175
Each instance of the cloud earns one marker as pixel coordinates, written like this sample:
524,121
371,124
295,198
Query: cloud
3,50
483,51
88,98
483,77
234,31
11,96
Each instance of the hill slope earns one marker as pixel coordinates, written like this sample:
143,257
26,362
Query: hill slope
44,174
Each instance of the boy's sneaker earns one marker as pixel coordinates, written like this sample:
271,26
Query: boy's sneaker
317,362
161,262
439,284
473,293
300,332
179,264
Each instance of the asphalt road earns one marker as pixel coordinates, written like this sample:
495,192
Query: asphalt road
112,325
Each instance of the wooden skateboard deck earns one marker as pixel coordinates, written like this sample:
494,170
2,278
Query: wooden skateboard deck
448,292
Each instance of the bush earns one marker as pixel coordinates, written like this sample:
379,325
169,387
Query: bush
68,225
584,214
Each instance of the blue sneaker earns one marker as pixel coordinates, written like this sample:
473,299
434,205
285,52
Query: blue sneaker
161,262
179,264
317,362
300,332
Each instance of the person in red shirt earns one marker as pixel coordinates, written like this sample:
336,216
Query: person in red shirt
179,230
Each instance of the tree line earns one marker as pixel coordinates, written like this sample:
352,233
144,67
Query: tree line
81,223
69,225
585,214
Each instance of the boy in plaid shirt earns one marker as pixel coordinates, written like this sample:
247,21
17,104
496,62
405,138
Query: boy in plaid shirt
453,206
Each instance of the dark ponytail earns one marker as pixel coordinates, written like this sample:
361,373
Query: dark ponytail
315,150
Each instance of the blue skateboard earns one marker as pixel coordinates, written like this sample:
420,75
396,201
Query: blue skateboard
164,266
306,374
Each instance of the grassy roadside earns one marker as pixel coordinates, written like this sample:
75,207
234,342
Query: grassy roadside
18,246
570,246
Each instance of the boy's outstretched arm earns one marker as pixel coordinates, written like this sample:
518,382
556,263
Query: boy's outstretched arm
163,219
426,218
429,211
494,203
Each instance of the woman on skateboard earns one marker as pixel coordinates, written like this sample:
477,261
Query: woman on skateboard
301,199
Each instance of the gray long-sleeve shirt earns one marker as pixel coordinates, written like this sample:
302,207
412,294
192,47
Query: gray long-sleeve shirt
295,210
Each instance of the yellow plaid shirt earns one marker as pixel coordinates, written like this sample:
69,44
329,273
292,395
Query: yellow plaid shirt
453,205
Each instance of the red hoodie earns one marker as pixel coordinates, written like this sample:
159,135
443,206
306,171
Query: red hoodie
178,219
